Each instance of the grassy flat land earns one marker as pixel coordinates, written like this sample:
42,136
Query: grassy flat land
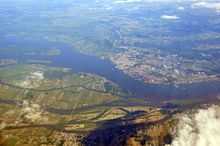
40,104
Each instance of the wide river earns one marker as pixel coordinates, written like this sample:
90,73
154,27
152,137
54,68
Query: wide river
90,64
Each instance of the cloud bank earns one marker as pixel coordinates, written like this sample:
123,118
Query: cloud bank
199,129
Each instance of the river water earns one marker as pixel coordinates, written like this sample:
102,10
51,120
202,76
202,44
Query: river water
90,64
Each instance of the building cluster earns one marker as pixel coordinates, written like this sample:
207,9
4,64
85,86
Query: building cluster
155,66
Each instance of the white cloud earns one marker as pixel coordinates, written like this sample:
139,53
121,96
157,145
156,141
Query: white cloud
169,17
210,5
127,1
181,8
199,129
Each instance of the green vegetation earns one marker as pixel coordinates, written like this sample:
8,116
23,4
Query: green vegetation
63,88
